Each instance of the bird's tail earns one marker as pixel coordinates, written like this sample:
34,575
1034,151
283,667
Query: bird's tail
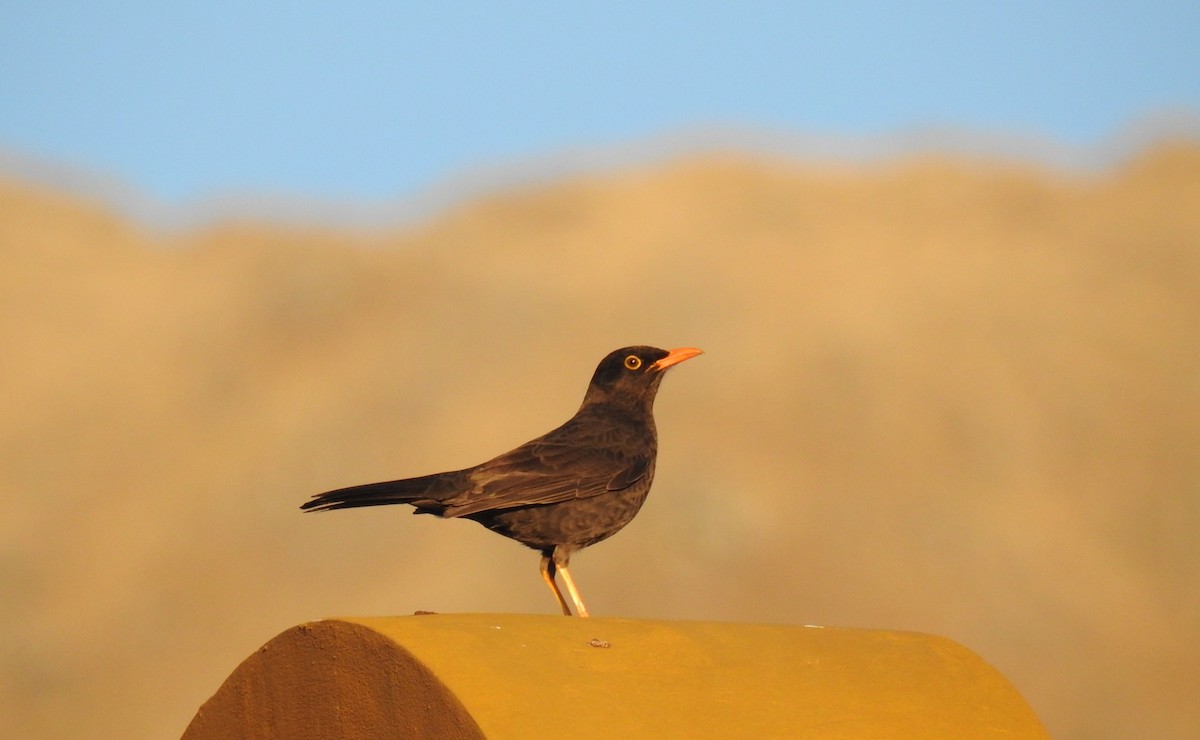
414,491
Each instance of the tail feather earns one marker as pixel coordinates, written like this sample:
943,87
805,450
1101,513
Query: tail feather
413,491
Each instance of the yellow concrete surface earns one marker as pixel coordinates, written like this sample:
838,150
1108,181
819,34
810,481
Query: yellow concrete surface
520,676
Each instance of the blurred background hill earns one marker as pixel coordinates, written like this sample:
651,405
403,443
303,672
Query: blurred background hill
939,394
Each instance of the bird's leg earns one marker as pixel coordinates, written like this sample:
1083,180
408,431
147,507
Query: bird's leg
548,569
580,609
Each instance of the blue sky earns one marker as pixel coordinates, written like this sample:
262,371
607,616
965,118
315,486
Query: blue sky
370,100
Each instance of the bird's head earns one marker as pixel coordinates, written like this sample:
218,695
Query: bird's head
630,376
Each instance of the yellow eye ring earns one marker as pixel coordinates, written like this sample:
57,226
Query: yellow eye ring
633,362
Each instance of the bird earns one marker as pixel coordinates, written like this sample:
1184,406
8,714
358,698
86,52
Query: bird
563,491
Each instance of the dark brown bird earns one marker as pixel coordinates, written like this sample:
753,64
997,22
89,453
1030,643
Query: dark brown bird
563,491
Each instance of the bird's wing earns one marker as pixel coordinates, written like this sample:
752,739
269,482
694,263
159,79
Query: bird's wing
547,472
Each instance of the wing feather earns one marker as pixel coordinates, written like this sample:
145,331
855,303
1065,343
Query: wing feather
546,472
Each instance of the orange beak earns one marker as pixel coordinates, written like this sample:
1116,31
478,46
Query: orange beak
676,356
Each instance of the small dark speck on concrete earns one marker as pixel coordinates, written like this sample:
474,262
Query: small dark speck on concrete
598,643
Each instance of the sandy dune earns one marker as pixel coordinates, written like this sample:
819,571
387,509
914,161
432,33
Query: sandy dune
946,396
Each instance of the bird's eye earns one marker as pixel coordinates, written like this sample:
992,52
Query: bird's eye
633,362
